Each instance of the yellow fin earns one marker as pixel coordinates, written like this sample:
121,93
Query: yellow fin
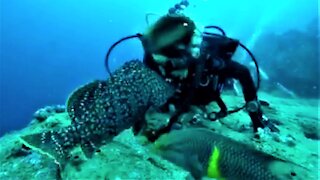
213,165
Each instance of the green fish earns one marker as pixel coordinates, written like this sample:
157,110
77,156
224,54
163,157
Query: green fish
100,110
205,153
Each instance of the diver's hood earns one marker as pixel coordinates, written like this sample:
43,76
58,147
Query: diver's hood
167,32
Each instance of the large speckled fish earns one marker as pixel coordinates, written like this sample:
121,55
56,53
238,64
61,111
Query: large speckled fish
205,153
102,109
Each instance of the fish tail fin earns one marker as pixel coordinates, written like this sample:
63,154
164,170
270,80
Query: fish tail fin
50,143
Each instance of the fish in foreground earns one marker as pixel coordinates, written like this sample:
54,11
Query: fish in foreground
102,109
206,154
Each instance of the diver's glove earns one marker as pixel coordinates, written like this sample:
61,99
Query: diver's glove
258,119
156,118
268,124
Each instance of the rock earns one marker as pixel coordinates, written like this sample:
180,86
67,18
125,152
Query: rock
312,135
128,156
60,108
19,151
124,158
264,103
288,140
42,114
311,129
239,121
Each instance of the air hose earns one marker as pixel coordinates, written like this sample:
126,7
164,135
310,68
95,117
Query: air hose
106,62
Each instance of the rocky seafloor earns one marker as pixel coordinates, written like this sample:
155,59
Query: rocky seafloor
128,156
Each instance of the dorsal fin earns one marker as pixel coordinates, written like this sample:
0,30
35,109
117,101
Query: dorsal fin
81,96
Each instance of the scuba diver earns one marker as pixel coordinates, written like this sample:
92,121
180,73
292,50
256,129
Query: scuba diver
198,65
199,69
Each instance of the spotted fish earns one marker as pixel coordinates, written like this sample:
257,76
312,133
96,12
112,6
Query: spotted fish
100,110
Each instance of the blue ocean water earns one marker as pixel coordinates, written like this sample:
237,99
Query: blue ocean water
50,47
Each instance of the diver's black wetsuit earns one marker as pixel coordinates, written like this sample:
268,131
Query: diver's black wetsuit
207,74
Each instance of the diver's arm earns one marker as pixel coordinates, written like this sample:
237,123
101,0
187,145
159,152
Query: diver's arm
240,72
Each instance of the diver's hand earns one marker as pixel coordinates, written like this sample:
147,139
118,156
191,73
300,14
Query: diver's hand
267,129
268,124
156,120
258,119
